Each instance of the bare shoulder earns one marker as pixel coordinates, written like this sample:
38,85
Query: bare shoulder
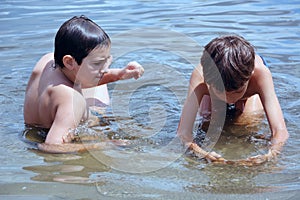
62,93
261,71
196,78
46,58
259,64
66,99
261,80
197,74
44,61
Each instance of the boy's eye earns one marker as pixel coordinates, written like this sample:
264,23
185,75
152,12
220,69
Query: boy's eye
102,62
98,63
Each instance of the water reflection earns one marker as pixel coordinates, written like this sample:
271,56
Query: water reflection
66,168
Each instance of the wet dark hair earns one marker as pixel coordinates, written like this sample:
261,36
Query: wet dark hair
228,62
78,37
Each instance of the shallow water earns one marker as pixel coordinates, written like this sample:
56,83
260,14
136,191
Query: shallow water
166,37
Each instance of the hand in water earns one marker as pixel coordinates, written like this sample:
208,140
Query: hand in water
259,159
216,158
209,156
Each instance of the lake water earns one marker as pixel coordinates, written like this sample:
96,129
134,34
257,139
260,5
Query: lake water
166,37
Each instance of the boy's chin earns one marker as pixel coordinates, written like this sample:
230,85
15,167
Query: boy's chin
90,85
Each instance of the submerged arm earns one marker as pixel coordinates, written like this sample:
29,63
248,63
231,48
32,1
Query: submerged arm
69,147
80,147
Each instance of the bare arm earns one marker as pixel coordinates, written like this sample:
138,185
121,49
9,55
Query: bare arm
190,109
132,70
68,109
272,108
60,140
197,89
187,119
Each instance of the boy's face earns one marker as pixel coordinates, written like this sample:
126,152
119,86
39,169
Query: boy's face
230,97
93,67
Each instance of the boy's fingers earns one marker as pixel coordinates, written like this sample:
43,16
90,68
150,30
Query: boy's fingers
214,154
258,159
141,71
135,65
137,73
210,157
133,70
104,71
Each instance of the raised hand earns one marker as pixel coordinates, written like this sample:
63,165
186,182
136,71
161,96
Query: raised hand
132,70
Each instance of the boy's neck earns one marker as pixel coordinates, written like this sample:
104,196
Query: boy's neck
69,76
67,73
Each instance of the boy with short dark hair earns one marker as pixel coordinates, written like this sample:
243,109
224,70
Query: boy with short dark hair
231,72
81,58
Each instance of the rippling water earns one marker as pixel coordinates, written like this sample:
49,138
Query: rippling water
166,37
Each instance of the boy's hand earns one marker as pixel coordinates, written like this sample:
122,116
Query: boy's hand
132,70
259,159
209,156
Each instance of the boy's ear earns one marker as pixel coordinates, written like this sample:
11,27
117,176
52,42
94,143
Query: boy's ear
69,62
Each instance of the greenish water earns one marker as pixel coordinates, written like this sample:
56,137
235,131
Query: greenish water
166,38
